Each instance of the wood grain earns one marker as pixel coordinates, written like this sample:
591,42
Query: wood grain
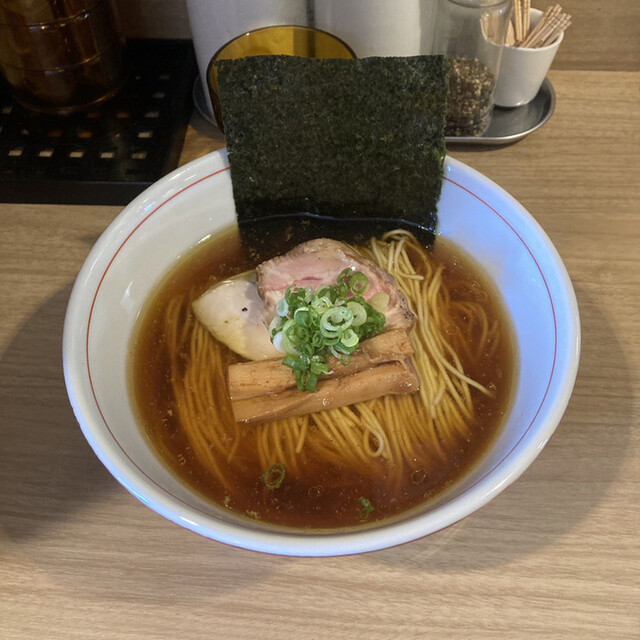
555,556
603,35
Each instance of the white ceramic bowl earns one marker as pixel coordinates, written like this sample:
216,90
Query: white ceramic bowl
167,219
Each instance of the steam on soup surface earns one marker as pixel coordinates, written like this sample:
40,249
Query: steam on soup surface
343,467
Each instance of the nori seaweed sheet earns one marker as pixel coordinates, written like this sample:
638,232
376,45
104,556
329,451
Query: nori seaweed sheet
344,138
264,237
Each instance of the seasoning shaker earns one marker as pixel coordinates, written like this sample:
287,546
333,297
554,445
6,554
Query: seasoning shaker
379,27
471,33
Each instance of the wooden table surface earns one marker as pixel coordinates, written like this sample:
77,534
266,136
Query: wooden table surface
556,555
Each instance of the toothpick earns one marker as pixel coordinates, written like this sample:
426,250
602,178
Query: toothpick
527,18
518,20
550,14
511,36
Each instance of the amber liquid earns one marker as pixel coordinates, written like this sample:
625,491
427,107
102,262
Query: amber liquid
277,40
61,56
325,496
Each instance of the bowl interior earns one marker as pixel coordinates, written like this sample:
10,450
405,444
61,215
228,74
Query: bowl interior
169,218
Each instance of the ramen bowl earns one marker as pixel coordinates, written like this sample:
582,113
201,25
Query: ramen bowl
167,220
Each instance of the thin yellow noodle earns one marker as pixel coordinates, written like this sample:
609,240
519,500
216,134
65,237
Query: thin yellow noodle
389,265
458,372
391,429
322,446
202,402
279,451
334,423
262,444
453,421
302,434
373,427
271,440
233,450
438,396
403,435
289,429
395,457
201,447
424,433
367,434
494,339
275,436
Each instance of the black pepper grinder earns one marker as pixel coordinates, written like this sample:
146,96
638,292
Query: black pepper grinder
471,33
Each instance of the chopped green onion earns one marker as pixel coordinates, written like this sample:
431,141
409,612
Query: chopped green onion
302,316
275,325
335,319
345,275
359,283
310,381
282,308
366,509
274,476
332,320
350,338
358,312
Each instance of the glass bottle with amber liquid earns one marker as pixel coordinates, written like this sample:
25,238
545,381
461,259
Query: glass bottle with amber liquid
60,56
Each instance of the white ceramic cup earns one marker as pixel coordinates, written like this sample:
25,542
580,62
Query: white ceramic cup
379,27
522,70
215,22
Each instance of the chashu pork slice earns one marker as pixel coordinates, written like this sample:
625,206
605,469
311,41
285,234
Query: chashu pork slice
319,262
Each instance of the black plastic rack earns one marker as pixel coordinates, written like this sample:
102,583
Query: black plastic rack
107,154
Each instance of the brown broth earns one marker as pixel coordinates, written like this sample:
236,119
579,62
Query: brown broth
327,496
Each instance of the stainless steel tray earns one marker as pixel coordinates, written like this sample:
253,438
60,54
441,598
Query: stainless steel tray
507,125
510,125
